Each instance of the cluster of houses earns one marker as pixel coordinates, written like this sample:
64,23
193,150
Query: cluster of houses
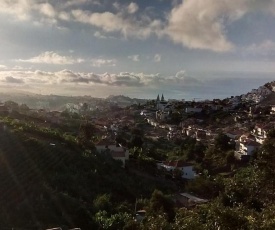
246,141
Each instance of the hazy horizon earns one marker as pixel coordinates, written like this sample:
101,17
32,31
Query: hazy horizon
213,90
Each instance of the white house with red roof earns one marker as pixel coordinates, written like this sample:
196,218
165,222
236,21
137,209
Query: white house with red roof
186,168
117,152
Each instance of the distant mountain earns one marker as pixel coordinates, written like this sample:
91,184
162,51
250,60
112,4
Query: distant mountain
57,102
124,100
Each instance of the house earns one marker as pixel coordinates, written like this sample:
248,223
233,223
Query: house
234,134
200,134
246,149
152,122
117,152
190,132
193,110
187,200
140,215
73,108
272,109
260,132
161,115
186,169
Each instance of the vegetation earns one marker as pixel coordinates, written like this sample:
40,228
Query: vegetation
53,176
48,179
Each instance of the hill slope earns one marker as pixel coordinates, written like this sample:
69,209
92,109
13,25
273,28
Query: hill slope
45,185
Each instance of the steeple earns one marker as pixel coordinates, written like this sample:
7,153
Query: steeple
158,98
162,97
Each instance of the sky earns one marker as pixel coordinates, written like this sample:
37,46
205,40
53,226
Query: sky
183,49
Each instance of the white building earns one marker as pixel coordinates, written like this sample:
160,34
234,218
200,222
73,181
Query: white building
246,149
117,151
186,168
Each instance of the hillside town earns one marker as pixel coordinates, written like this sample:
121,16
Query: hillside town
245,120
183,145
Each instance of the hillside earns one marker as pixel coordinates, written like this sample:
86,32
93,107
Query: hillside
269,99
263,94
47,182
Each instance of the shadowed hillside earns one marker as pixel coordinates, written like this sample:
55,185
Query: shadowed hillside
46,185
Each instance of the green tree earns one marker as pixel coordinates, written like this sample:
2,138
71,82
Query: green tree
222,142
103,202
266,165
86,135
159,203
187,219
113,222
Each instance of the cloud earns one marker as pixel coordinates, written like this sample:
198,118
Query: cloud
265,48
157,58
182,77
50,57
64,16
68,77
132,8
47,9
10,79
20,9
103,62
196,24
134,58
110,22
201,24
97,34
3,67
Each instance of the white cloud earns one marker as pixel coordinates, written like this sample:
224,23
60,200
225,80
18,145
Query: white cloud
110,22
50,57
3,67
97,34
134,58
43,78
103,62
69,3
132,8
157,58
20,8
265,48
182,77
17,67
47,9
196,24
116,5
64,16
201,24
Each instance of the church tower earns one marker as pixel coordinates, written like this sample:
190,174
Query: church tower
158,98
162,97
